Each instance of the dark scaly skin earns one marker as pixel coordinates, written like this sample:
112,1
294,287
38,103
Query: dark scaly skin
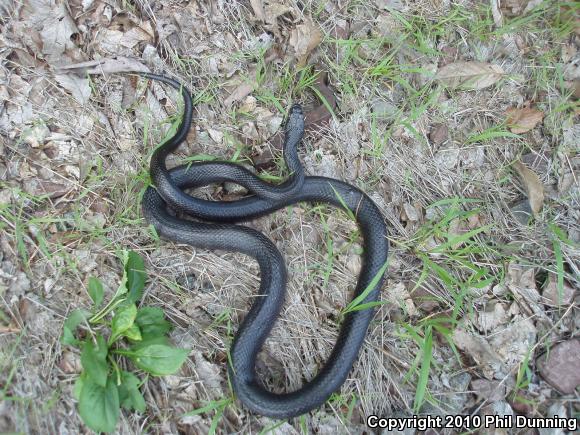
229,237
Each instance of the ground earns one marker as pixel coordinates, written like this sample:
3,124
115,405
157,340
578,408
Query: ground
458,118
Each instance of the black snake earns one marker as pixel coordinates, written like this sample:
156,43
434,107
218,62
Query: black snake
223,234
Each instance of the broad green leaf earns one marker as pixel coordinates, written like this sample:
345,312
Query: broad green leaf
136,276
133,333
130,396
159,359
99,405
96,291
78,387
75,318
122,320
151,321
161,339
94,360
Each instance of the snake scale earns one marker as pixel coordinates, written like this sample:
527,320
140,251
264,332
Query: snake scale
215,228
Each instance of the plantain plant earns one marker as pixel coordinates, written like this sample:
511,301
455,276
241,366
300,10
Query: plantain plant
108,336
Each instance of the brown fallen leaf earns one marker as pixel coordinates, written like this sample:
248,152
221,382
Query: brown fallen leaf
439,133
513,8
478,348
469,75
272,11
107,65
79,87
533,185
305,38
488,390
58,27
558,297
40,187
242,91
524,119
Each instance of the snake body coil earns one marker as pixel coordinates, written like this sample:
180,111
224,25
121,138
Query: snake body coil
223,234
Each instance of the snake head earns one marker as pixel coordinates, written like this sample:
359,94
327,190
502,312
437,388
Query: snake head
295,122
296,109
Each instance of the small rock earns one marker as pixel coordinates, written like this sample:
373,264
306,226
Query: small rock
411,213
216,135
559,367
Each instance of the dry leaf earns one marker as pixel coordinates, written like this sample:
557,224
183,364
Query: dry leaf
524,119
110,65
272,11
79,87
305,38
558,297
112,41
478,348
469,75
490,318
58,28
238,93
439,133
258,9
513,8
488,390
534,187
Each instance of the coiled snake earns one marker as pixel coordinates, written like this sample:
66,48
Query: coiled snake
219,232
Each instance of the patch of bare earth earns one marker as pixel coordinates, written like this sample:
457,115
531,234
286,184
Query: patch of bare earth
460,119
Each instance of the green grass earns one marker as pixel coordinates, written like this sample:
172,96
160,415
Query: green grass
217,407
